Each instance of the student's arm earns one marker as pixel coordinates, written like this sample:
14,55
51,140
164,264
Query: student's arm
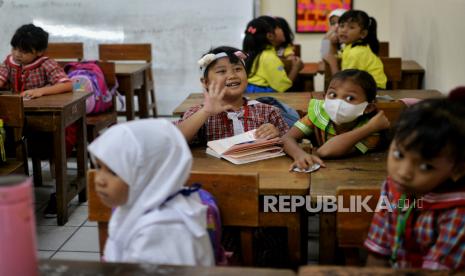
297,65
49,90
376,260
213,104
302,159
342,144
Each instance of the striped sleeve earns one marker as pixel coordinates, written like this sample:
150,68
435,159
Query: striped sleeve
305,125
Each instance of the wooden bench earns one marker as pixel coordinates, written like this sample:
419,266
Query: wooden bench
236,195
73,51
352,227
12,114
134,52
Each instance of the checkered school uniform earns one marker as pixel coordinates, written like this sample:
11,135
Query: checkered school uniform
252,115
42,72
435,232
317,126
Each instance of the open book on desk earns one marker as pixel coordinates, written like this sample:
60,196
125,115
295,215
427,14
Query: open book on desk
245,148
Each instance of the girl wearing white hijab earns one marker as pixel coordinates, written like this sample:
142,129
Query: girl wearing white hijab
141,167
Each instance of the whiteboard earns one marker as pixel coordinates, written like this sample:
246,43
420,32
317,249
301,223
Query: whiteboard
180,31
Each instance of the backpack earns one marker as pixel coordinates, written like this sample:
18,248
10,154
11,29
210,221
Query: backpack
214,226
289,114
87,76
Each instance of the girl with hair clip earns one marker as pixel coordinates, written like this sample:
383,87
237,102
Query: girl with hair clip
426,181
357,31
225,112
156,219
344,123
266,70
286,48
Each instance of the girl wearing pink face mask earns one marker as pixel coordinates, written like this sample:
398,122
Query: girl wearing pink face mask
345,122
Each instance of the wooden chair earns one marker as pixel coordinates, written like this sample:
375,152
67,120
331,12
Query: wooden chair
392,69
297,48
65,51
236,195
12,114
352,227
383,49
135,52
392,109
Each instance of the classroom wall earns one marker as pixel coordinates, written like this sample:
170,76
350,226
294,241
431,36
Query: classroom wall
431,33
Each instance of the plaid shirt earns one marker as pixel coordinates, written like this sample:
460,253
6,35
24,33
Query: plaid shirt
318,127
435,233
219,126
42,72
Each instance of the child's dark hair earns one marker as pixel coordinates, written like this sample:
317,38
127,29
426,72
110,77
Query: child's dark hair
431,126
230,51
288,34
366,23
255,40
29,38
361,78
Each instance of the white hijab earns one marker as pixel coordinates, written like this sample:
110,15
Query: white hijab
153,158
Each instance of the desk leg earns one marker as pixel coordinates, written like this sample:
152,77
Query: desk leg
143,100
328,238
60,171
129,104
82,157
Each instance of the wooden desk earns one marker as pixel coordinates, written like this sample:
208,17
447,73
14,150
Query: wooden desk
398,94
359,171
297,100
132,76
347,271
274,179
63,267
53,114
412,75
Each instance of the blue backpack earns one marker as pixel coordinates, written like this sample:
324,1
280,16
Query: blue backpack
289,114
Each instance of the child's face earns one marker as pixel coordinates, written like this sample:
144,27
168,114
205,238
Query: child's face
349,32
24,58
415,175
333,20
345,90
231,76
111,189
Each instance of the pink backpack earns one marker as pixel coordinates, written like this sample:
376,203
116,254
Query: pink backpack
87,76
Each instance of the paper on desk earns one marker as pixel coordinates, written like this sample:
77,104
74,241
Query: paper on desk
313,168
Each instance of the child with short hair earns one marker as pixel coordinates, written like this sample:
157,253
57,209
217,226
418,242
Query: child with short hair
345,122
156,219
266,71
225,112
286,49
358,32
27,70
426,169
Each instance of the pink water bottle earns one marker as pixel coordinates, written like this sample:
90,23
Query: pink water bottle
17,227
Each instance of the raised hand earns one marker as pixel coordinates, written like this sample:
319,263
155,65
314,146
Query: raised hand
213,99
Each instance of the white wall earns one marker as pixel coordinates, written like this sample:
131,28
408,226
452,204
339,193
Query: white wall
430,32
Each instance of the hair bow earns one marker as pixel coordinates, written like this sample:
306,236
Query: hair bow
251,30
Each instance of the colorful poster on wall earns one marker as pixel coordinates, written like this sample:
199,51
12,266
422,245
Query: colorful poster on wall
312,15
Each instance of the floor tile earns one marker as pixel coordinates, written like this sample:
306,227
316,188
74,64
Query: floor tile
44,254
76,256
52,237
85,239
89,223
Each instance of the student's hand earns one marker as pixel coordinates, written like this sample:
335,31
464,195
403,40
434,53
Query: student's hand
296,62
32,94
304,161
267,131
379,122
213,99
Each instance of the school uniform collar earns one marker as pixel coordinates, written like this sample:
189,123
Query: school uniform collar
448,195
29,66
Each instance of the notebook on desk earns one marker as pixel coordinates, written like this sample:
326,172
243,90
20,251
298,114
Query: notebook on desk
245,148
